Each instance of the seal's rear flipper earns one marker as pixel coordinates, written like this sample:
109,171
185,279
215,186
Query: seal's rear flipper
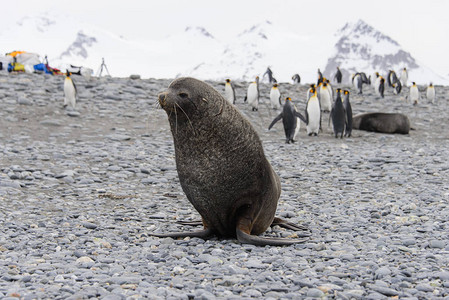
246,238
203,234
191,223
291,226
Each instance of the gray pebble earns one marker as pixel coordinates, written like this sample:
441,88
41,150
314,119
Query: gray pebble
439,244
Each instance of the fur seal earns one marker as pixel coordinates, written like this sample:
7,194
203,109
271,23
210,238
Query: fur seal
221,166
382,122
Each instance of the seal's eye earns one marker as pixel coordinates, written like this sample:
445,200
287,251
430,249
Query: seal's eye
183,95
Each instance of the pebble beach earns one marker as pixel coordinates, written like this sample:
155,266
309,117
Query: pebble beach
81,189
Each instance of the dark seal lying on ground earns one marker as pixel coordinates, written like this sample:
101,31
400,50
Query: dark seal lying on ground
382,122
222,166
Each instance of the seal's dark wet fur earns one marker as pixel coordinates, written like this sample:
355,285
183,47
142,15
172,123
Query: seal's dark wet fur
221,165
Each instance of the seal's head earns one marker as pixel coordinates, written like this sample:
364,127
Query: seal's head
183,95
188,99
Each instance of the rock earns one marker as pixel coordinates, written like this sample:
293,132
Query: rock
314,293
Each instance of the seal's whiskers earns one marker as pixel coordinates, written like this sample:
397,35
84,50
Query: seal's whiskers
176,119
188,119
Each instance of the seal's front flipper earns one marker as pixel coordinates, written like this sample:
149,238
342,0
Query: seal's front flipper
191,223
291,226
246,238
203,234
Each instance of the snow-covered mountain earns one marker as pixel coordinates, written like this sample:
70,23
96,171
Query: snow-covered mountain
261,46
195,51
361,48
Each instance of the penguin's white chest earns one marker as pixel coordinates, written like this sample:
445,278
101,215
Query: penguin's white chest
69,93
252,95
274,98
377,85
414,94
404,78
374,79
313,110
229,94
325,99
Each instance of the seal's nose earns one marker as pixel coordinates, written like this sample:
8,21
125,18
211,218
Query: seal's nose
161,97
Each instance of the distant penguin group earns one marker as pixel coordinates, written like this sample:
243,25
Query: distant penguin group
320,99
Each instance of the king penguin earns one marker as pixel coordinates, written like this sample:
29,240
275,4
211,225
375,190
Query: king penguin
338,76
414,93
69,91
397,87
291,120
348,109
309,91
404,77
357,82
275,97
252,95
296,79
313,114
320,77
391,78
325,98
430,93
382,87
230,91
338,116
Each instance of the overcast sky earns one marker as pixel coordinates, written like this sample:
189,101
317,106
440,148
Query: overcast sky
420,27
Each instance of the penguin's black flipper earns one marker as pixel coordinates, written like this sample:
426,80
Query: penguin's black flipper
299,115
307,117
246,98
275,120
74,85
